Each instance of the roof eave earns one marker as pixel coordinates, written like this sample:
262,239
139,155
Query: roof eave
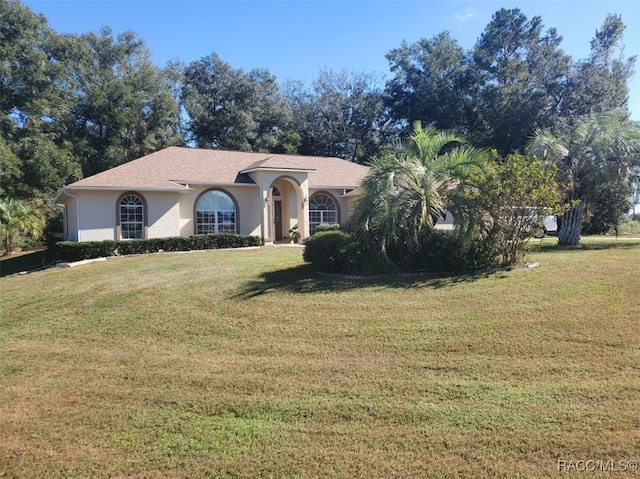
214,183
182,189
334,187
61,193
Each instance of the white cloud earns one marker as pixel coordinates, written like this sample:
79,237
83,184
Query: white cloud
468,14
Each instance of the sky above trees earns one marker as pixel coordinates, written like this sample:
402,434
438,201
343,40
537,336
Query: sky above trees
296,39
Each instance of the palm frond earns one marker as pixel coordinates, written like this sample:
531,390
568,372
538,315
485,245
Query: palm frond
545,145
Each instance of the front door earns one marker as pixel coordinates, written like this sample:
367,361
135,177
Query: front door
277,219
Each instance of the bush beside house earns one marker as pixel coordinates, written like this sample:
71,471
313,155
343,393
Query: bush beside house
335,252
439,251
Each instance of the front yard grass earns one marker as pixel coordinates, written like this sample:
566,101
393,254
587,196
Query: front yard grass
240,364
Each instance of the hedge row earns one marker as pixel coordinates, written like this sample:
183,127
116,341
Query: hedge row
328,227
71,251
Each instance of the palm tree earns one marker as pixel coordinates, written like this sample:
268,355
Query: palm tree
599,149
409,189
17,219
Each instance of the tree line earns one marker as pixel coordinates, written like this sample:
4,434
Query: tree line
72,105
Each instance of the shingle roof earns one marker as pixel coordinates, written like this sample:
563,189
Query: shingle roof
174,167
276,163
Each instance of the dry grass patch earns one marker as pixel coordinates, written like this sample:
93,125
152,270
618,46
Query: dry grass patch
247,364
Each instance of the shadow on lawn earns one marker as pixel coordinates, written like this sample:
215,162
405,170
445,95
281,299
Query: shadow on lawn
303,279
22,262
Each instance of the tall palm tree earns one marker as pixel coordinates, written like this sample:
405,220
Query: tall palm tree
599,149
17,219
409,189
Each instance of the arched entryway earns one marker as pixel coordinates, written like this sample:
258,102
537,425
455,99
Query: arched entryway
286,206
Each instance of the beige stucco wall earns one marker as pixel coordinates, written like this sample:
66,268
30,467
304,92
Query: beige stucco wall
290,210
351,206
172,213
167,214
163,214
97,215
70,220
294,208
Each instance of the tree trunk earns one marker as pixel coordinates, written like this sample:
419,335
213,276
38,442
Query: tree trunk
569,234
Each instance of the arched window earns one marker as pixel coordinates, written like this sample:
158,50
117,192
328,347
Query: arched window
131,210
322,209
215,213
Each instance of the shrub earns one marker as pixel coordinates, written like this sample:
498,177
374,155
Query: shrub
438,251
335,252
294,235
517,196
71,251
327,227
607,211
630,227
449,251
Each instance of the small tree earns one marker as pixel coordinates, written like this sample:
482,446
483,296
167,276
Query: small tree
600,149
611,203
18,220
409,189
516,197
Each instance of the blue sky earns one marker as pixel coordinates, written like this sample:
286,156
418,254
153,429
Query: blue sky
295,39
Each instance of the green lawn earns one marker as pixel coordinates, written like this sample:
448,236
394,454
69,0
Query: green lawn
247,364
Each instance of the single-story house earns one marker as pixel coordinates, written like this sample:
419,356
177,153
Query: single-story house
185,191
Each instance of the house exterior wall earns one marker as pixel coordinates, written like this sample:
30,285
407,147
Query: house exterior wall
289,206
97,215
172,213
163,214
350,201
294,208
71,220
